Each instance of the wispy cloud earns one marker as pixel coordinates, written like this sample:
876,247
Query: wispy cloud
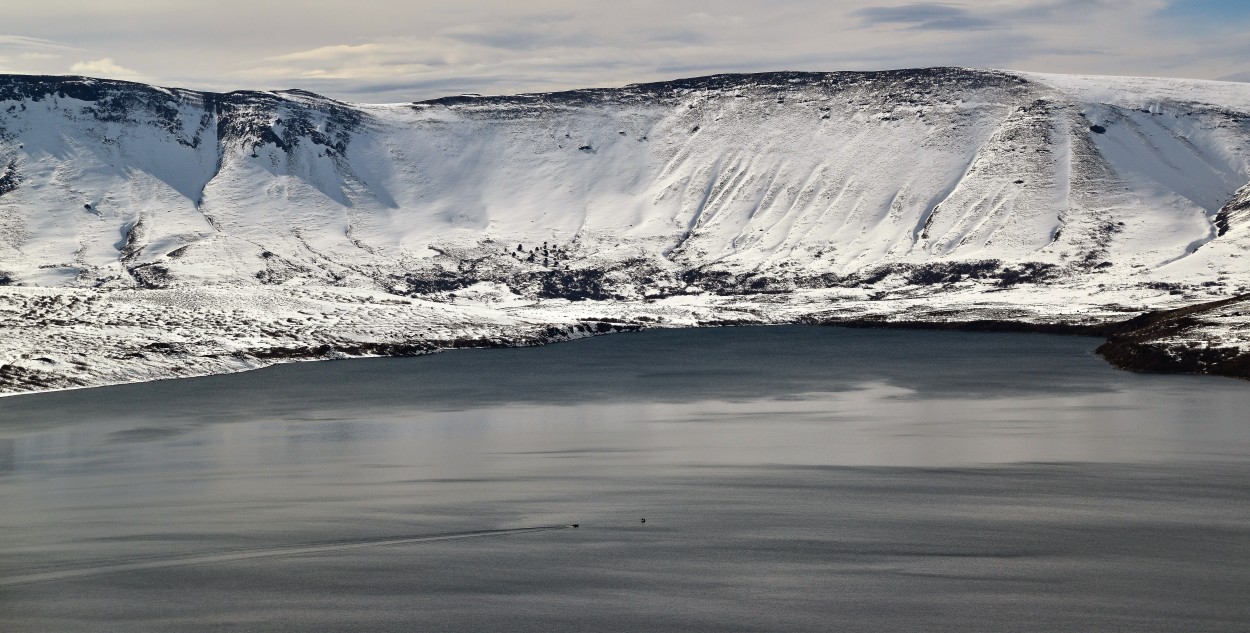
925,16
23,54
22,45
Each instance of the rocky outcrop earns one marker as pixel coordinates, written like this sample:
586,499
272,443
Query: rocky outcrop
1199,339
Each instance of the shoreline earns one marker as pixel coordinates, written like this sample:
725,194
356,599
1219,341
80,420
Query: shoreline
1133,344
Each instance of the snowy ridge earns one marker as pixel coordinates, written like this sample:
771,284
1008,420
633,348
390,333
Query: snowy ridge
956,188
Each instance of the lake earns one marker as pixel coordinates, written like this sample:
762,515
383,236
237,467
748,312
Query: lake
791,478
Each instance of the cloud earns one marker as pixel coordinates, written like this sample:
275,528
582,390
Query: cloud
565,44
107,68
401,50
22,45
924,16
22,54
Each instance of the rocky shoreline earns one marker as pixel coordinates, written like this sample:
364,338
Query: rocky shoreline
1158,341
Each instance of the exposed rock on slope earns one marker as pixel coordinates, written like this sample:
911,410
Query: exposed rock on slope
1235,214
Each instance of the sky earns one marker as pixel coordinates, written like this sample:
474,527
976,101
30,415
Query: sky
382,51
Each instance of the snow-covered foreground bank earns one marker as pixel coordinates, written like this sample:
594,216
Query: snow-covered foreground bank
149,232
69,337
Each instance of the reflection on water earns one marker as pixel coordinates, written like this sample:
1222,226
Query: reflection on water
8,455
791,477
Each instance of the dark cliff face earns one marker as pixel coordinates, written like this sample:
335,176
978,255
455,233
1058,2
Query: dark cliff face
252,119
40,87
1236,213
245,119
109,100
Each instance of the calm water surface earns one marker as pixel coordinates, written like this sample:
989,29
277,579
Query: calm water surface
793,479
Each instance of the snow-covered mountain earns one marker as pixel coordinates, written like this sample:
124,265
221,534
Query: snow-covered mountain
792,178
901,185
